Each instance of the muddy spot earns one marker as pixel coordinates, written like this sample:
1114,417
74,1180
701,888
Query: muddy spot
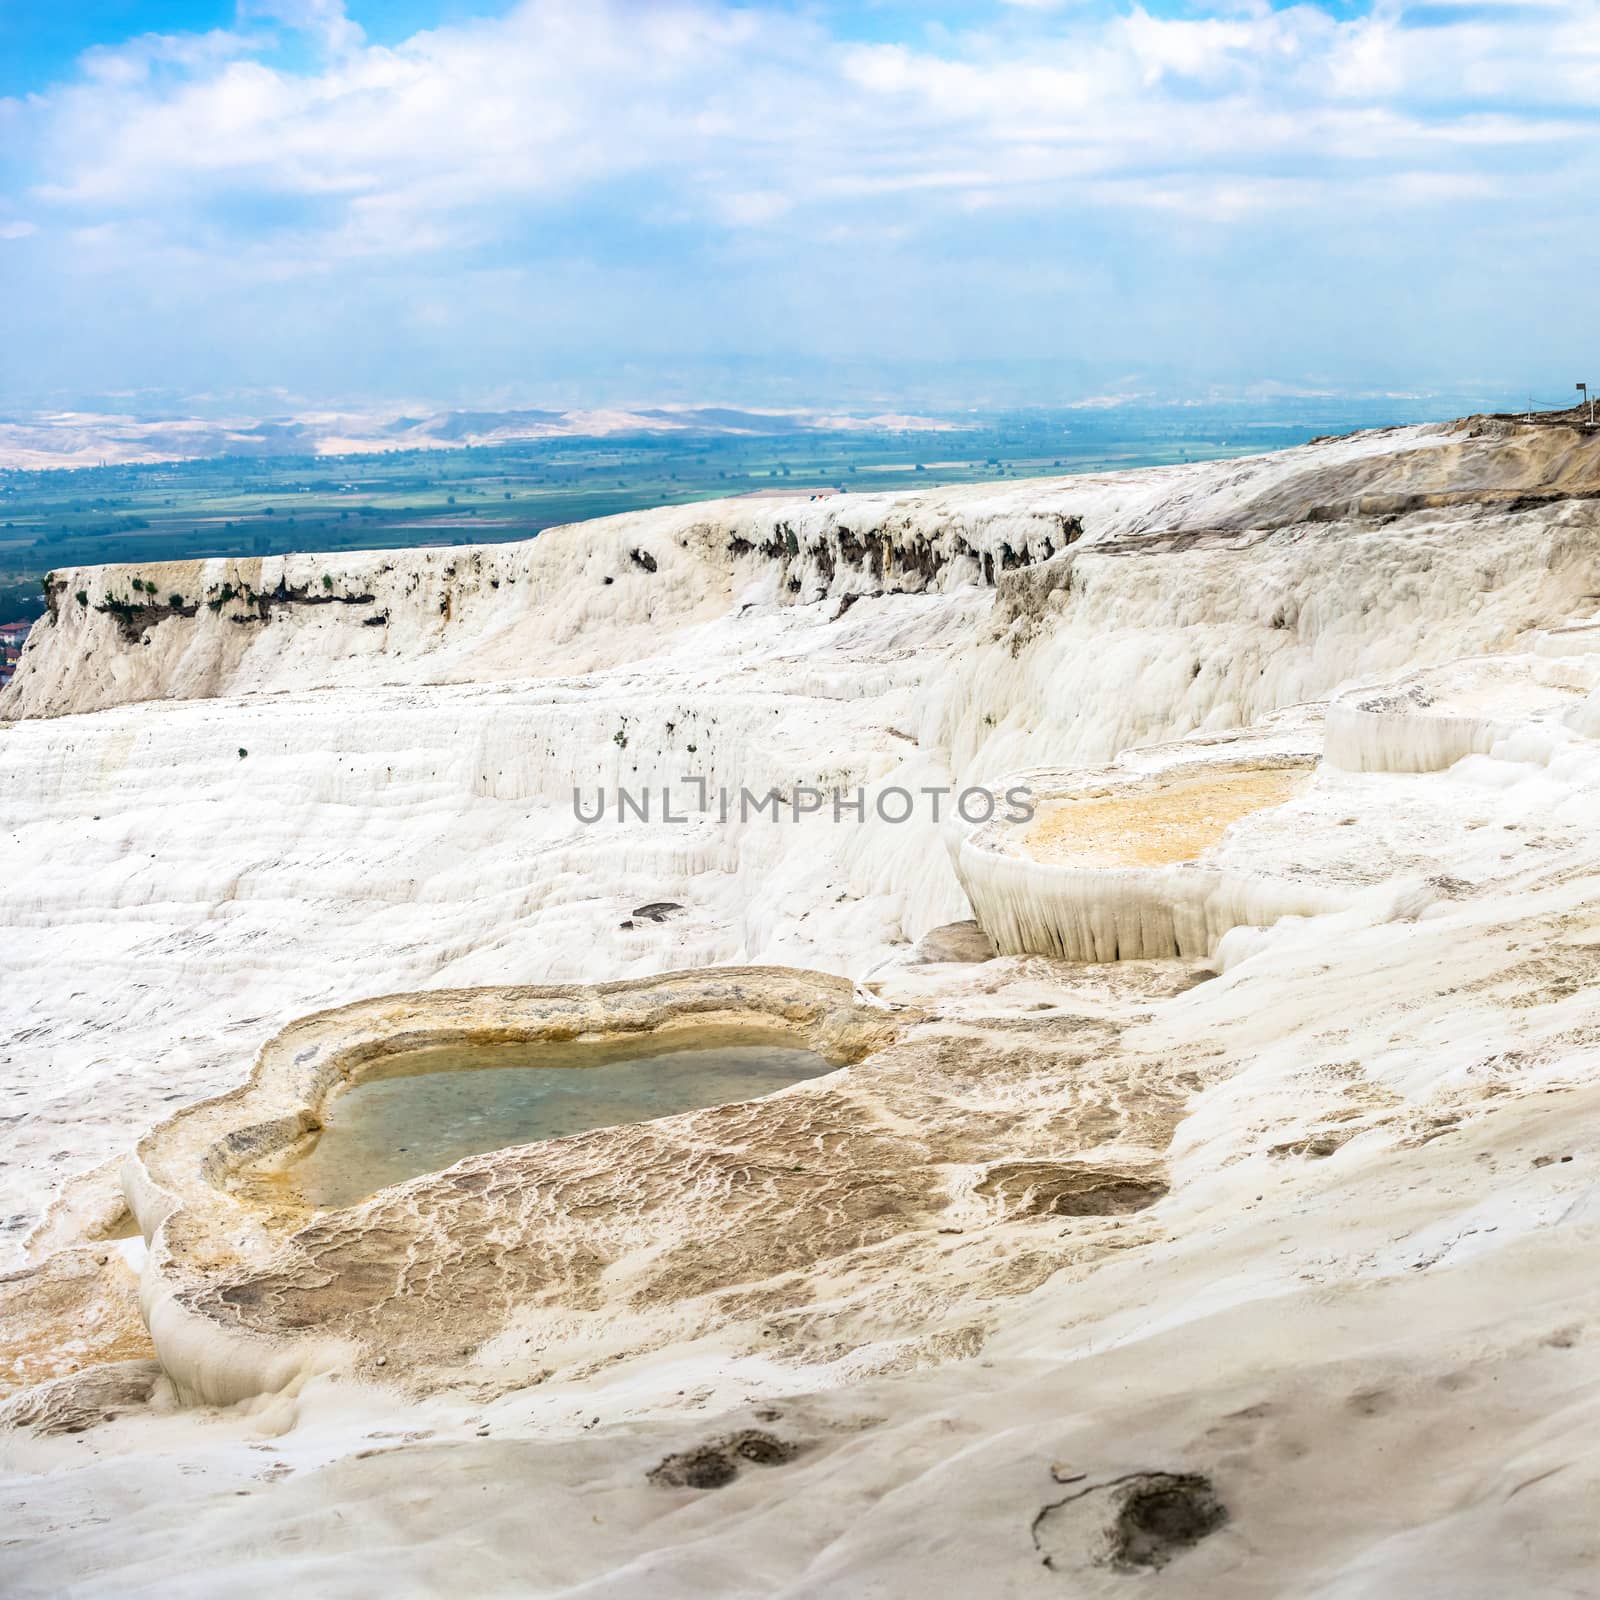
1163,1515
1132,1524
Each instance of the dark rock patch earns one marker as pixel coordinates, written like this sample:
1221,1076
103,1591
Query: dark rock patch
656,911
956,941
79,1401
1065,1189
133,617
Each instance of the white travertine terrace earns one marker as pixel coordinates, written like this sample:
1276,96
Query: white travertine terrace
1291,1206
1580,638
1114,864
1429,720
187,1182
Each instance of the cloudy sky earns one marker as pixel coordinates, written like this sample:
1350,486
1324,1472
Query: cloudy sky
588,201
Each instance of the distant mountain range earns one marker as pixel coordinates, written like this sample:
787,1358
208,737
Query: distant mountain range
84,439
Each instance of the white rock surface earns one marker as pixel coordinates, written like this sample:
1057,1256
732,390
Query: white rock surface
1365,1312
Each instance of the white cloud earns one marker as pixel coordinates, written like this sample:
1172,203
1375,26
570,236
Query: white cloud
761,115
324,20
17,230
130,65
567,144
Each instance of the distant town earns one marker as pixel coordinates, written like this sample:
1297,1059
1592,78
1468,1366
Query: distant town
11,636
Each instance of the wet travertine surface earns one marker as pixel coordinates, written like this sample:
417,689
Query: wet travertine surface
77,1310
1154,826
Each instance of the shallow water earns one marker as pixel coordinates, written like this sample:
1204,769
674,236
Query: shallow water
432,1107
1160,825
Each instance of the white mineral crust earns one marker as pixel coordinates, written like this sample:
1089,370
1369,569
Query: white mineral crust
1363,1307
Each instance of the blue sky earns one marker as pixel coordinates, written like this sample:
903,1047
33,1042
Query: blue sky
306,202
39,42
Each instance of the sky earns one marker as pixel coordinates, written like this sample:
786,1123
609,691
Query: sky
299,203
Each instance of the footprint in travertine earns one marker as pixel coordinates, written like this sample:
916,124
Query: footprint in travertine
1136,1523
710,1466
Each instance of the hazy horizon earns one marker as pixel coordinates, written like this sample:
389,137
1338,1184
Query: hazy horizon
1113,429
949,393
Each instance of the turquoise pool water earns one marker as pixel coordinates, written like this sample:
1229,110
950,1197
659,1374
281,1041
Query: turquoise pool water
432,1107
